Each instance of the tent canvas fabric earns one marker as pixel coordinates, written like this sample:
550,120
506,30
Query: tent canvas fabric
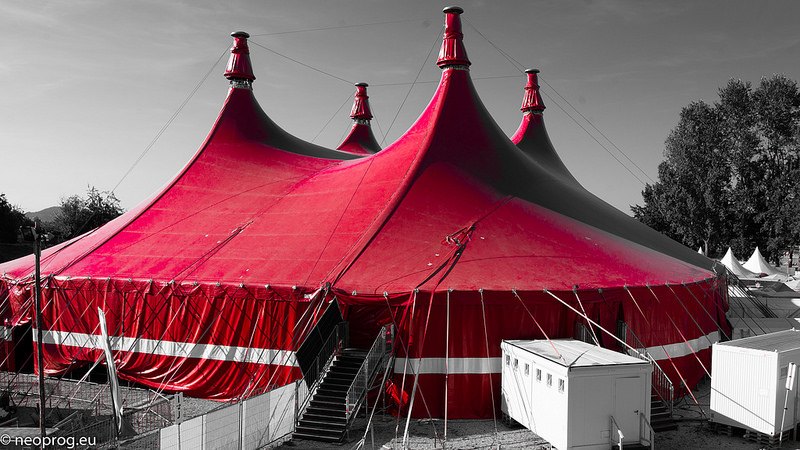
759,265
458,235
733,264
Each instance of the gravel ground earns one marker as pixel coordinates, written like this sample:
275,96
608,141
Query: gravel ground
694,432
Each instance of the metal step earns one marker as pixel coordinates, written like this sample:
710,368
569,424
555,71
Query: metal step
317,416
660,417
325,419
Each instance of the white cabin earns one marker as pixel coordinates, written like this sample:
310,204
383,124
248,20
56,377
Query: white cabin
567,392
748,382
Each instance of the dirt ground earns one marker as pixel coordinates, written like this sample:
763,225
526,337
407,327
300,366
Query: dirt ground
694,432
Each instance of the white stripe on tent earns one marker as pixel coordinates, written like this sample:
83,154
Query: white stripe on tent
455,365
680,349
175,349
465,366
287,358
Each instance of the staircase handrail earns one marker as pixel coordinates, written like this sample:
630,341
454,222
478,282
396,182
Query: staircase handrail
660,382
365,376
737,284
323,361
582,334
616,427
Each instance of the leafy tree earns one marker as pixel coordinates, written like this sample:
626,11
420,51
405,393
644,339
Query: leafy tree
689,200
777,105
79,215
11,219
729,177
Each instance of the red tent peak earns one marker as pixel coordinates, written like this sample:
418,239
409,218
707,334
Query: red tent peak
532,102
361,109
453,52
361,140
239,70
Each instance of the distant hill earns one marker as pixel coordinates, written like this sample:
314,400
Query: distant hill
44,215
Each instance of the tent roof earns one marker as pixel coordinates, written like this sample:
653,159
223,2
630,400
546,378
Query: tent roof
759,265
361,140
733,264
573,353
553,186
452,203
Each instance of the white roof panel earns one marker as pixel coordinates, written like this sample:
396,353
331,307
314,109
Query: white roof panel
575,353
779,341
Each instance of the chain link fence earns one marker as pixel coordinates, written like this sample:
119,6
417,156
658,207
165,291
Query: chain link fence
85,409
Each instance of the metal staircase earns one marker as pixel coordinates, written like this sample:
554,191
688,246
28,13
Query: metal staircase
341,389
660,415
325,418
662,396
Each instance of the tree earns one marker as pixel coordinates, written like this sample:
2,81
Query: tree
729,177
11,219
690,200
79,215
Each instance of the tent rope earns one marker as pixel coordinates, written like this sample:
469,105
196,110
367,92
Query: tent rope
560,356
171,119
591,329
424,63
708,313
691,316
647,321
677,328
517,65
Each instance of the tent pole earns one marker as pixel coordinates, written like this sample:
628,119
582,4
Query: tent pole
37,250
446,366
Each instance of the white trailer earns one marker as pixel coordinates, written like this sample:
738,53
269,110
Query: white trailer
749,382
576,395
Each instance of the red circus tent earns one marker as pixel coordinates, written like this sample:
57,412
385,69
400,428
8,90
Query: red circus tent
458,235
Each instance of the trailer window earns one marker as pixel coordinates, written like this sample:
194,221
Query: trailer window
549,379
508,360
539,375
516,363
527,369
560,385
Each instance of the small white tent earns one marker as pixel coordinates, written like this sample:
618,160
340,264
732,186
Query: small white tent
733,264
758,264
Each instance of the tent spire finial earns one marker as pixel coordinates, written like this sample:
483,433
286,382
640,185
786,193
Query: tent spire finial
361,112
239,70
532,102
360,141
453,54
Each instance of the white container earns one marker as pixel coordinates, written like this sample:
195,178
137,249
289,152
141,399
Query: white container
748,382
566,391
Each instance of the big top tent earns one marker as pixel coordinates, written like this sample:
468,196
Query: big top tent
457,234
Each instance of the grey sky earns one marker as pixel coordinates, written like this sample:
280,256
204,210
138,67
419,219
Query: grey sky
87,85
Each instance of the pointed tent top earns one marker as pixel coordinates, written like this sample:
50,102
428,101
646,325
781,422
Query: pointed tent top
533,99
361,110
758,264
360,141
453,52
239,67
733,264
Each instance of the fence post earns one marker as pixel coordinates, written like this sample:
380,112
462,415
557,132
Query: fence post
241,425
296,403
